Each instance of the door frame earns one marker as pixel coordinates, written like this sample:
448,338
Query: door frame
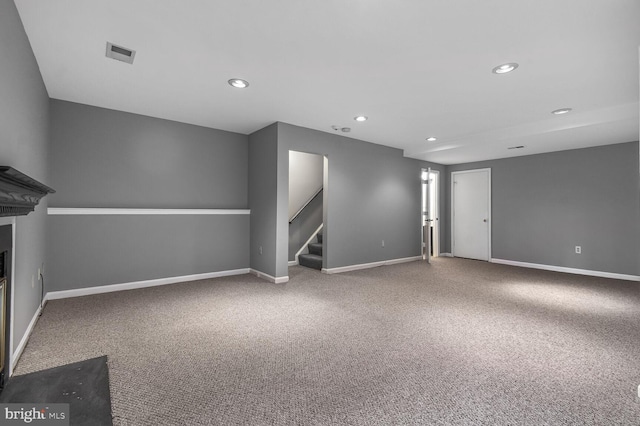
436,225
325,209
489,219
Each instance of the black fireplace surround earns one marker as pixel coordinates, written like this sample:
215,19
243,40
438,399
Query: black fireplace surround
19,194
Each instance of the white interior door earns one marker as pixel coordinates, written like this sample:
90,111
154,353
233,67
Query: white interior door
471,214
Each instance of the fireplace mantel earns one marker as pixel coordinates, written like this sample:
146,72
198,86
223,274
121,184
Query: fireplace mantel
19,194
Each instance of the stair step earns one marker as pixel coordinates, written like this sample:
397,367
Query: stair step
319,237
310,261
315,248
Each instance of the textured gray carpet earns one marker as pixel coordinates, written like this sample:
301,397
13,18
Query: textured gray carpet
456,342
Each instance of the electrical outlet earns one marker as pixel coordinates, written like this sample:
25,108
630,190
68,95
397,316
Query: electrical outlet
260,250
382,243
578,249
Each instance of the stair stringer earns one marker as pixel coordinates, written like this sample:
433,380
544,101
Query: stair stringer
304,249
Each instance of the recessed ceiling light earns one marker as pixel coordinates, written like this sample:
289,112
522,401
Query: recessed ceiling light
360,118
239,83
505,68
561,111
346,129
431,139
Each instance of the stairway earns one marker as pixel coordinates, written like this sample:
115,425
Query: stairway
314,258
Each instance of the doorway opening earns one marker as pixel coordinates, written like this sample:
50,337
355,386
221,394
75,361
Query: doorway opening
307,199
430,216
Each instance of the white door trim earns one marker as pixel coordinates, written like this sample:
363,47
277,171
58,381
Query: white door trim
436,248
488,170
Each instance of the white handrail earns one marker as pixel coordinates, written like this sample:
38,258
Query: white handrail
305,205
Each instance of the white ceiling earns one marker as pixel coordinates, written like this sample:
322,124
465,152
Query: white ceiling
416,68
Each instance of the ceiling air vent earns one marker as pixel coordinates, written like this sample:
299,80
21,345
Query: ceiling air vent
120,53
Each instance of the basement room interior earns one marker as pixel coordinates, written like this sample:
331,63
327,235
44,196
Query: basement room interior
319,213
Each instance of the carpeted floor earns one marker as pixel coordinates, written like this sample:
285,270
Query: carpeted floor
458,342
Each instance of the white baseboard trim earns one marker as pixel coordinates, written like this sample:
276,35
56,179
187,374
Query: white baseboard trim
53,295
369,265
270,278
293,262
23,342
446,255
568,270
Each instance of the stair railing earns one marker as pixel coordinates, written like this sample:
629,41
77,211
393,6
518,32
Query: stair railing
305,205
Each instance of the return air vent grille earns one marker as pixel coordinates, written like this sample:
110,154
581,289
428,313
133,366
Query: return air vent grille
120,53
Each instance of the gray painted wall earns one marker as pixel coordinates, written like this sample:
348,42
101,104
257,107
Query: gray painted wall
373,194
544,205
263,168
106,158
90,251
24,127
